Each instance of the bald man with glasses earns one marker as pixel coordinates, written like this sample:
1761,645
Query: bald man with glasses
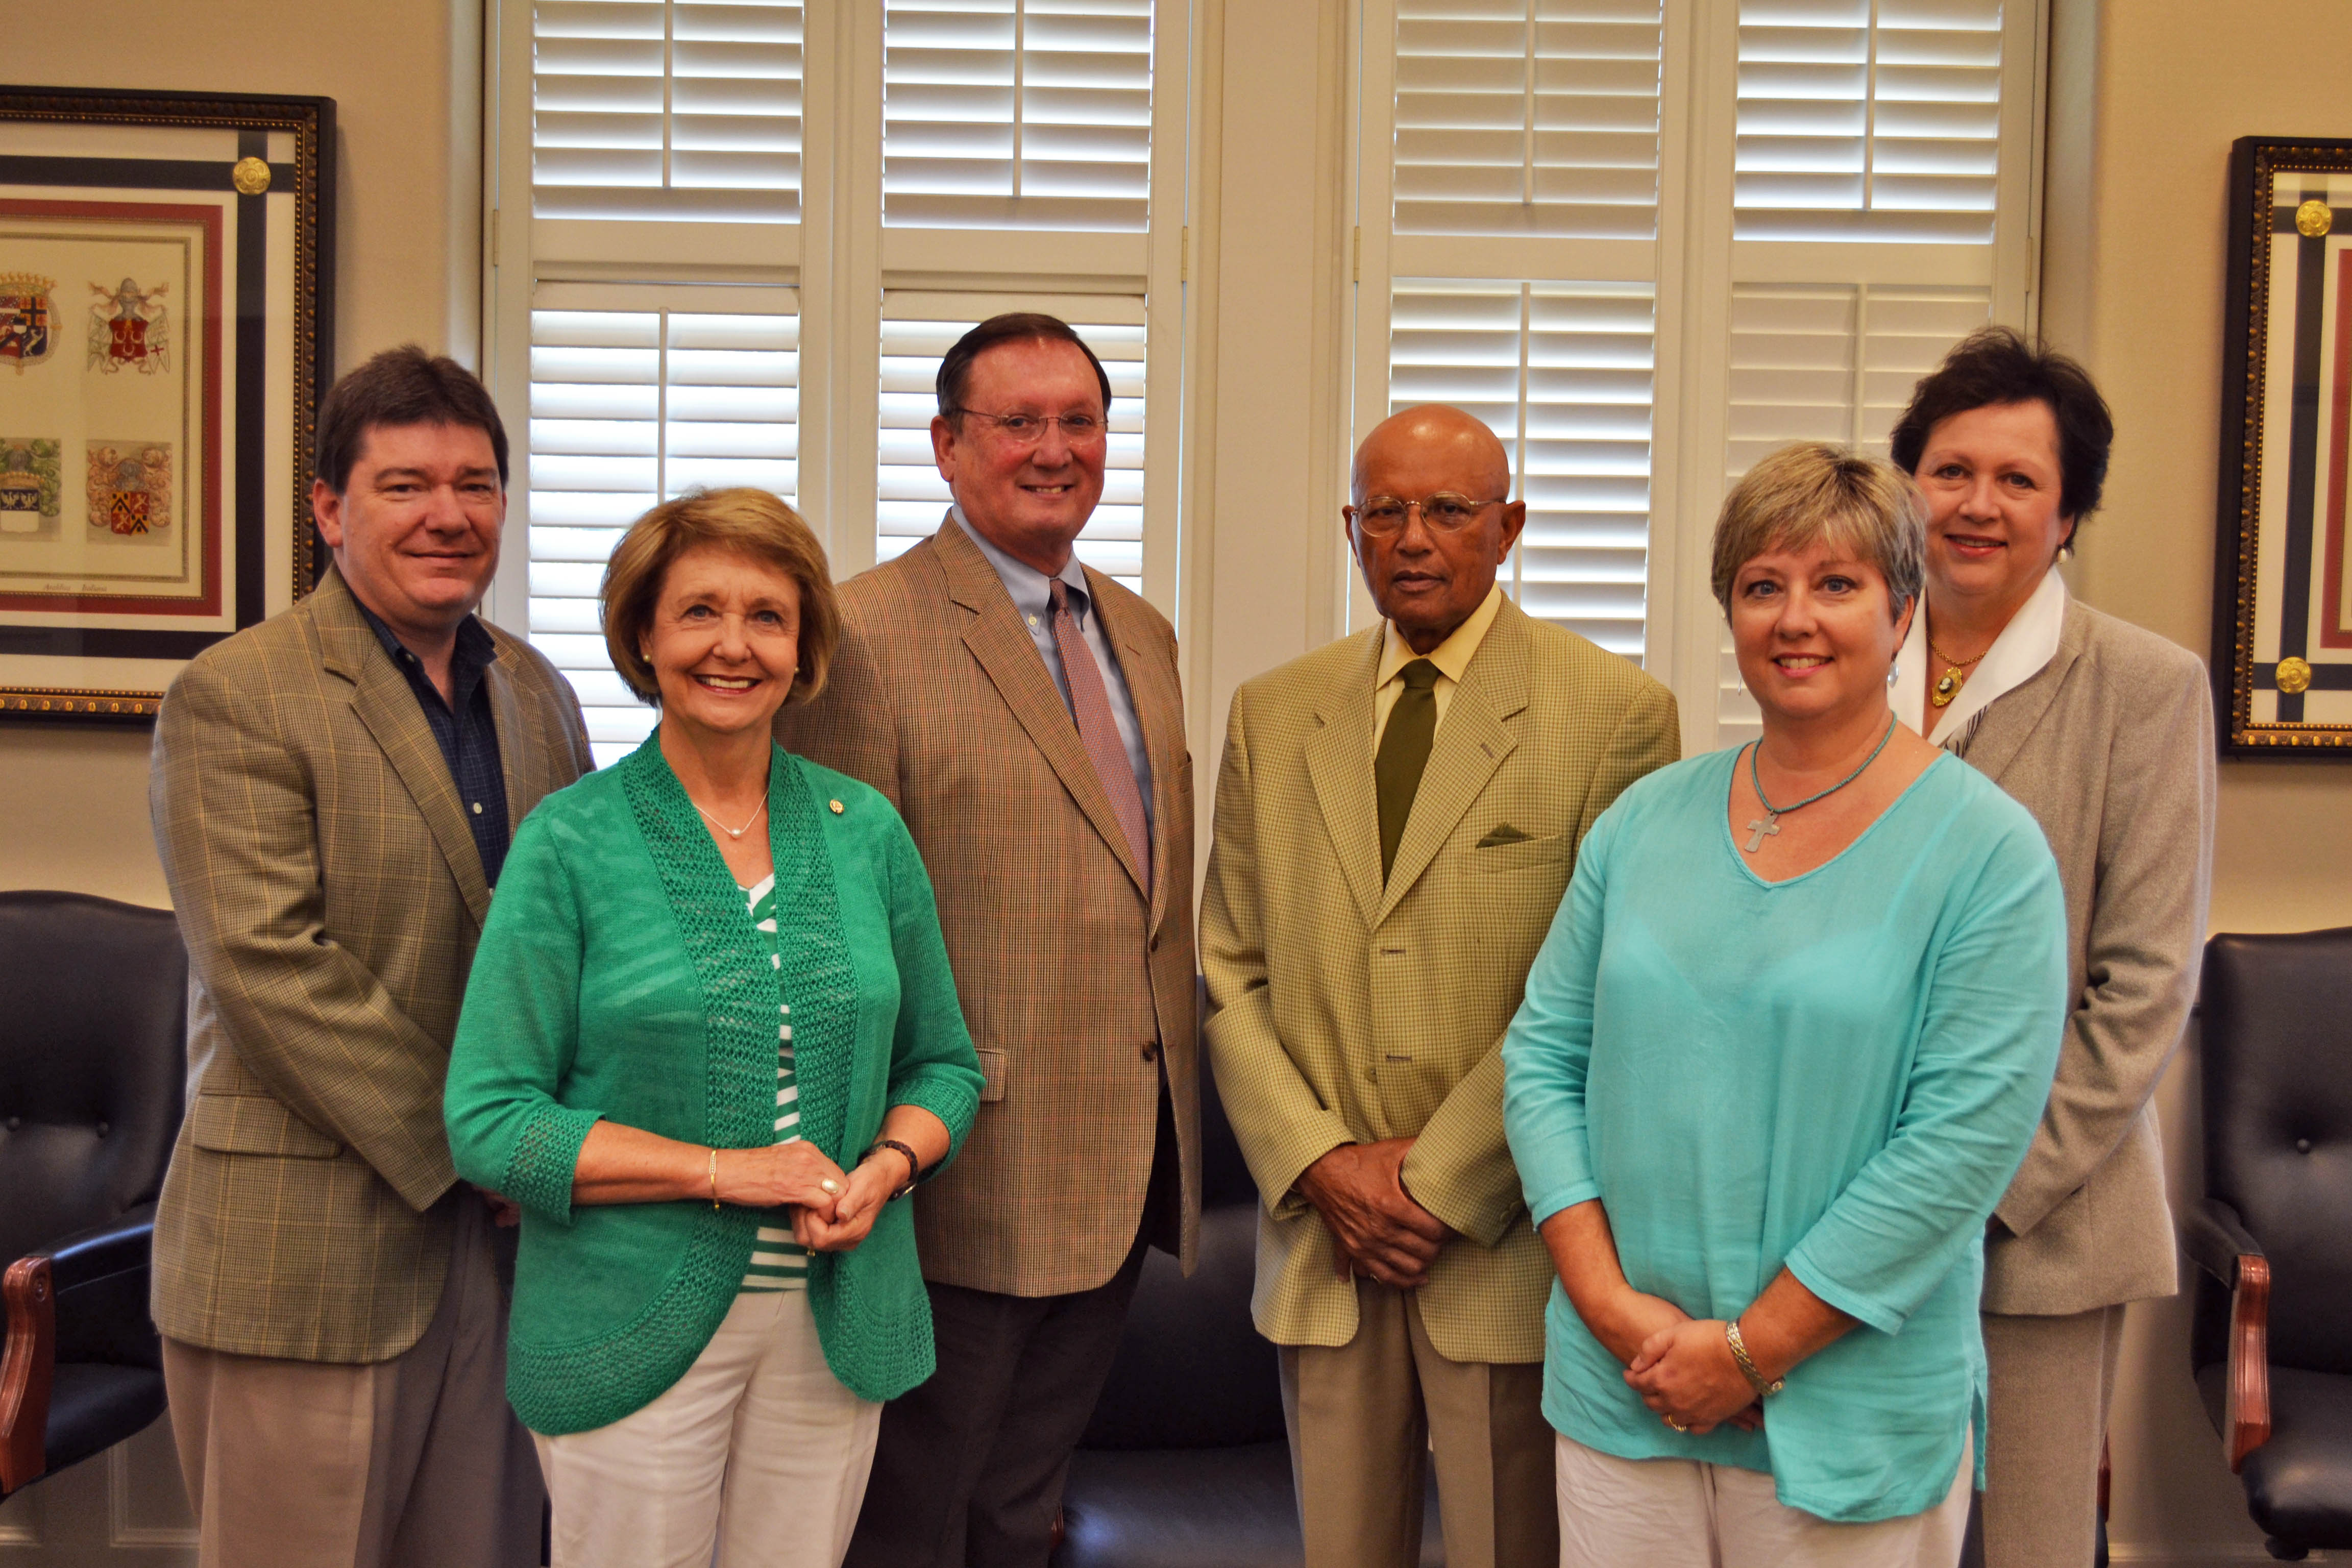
1021,711
1397,816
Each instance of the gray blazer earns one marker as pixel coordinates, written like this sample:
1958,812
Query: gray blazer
2111,748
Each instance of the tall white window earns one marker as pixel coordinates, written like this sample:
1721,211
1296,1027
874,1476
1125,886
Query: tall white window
1649,240
671,176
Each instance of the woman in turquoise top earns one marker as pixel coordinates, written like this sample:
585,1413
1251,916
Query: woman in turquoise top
710,1034
1779,1055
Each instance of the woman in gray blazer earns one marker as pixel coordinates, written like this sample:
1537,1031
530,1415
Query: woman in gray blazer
2105,734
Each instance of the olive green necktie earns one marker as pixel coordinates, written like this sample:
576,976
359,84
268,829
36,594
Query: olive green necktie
1403,753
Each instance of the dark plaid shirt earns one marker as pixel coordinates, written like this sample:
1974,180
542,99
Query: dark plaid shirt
468,738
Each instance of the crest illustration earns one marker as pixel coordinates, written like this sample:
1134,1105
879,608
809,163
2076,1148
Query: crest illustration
28,318
131,486
29,483
130,328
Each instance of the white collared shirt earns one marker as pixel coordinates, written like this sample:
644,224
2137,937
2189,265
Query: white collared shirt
2025,647
1452,657
1032,594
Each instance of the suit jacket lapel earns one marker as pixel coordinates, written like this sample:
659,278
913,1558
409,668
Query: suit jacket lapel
1339,761
1162,724
523,790
381,699
1006,651
1471,745
2011,719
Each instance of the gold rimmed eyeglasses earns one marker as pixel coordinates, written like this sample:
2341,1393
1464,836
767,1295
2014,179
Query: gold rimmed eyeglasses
1446,513
1028,429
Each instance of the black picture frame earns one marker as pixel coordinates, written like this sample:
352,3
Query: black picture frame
2282,664
261,342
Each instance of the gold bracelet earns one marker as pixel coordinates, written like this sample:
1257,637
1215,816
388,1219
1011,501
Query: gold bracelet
714,1178
1765,1388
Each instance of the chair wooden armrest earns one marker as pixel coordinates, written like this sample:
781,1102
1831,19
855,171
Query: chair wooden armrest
2218,1242
26,1368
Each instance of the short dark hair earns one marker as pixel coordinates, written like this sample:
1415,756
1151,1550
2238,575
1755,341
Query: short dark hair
1996,365
401,386
1012,327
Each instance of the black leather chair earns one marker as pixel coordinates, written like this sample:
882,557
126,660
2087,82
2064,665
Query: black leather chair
2271,1342
1185,1464
93,1059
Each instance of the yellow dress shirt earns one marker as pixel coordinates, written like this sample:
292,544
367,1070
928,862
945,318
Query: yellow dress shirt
1451,657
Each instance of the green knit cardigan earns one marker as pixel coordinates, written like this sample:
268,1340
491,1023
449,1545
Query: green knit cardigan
619,976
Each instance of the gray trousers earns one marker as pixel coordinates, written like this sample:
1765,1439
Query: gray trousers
2052,1379
415,1462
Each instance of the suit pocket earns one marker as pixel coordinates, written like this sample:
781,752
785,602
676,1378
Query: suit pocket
993,1066
1521,853
255,1124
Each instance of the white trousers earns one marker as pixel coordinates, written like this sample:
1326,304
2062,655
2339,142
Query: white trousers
1682,1513
758,1455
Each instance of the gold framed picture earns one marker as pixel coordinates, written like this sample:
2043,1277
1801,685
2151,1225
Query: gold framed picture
166,265
2283,581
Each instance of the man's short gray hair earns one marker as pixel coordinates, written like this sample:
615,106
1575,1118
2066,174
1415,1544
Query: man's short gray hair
1815,492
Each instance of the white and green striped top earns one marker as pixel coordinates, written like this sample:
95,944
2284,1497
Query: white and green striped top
778,1262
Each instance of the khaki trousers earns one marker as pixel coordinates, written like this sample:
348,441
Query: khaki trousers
414,1462
1363,1418
2052,1379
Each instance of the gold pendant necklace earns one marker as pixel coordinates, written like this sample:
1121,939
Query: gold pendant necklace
1955,675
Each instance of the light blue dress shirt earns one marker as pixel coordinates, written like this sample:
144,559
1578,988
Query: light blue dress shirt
1838,1072
1032,594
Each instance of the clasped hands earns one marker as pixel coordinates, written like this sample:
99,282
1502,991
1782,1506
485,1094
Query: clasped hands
1682,1366
832,1211
1376,1227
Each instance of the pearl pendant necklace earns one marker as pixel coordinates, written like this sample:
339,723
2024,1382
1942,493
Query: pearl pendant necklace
730,832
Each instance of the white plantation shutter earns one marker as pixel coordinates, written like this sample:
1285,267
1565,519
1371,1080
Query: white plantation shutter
667,110
1017,113
1869,119
1826,364
1564,373
1533,117
636,396
917,331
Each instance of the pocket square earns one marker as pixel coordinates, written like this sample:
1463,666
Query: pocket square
1505,834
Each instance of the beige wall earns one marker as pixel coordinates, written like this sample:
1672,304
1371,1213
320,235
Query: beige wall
405,76
2146,96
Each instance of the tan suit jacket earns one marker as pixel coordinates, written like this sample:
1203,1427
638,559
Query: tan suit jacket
330,895
1076,978
1344,1010
2111,748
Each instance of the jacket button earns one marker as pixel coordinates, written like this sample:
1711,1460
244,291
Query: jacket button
14,1123
2301,1145
1151,1050
103,1130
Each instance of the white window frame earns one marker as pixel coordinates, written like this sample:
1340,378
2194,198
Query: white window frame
842,259
1695,264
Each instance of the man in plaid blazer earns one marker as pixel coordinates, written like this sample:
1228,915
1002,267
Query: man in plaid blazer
333,794
1023,713
1397,816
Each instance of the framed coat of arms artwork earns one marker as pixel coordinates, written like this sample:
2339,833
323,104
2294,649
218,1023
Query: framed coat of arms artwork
166,261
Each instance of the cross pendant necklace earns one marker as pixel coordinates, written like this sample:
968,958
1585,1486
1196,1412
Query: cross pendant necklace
1769,822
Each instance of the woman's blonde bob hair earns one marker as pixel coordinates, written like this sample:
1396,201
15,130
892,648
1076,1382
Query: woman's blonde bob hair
1817,493
750,522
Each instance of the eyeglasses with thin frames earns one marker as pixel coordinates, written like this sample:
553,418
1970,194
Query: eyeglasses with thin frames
1029,430
1445,513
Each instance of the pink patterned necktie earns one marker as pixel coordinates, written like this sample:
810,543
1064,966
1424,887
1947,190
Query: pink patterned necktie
1091,703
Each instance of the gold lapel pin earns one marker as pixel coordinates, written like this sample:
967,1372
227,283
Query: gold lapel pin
837,806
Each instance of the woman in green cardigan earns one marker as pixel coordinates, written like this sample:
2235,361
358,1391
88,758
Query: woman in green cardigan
704,1059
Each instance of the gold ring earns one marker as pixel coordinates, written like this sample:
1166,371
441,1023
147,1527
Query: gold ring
830,1186
1673,1424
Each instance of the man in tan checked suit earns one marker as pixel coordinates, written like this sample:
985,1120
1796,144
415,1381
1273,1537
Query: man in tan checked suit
1023,713
333,794
1397,816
